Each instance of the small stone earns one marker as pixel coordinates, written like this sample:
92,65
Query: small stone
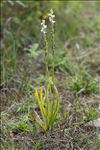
94,123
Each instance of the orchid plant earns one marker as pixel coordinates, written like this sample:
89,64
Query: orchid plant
48,99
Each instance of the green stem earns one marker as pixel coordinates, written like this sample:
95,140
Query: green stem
46,56
53,51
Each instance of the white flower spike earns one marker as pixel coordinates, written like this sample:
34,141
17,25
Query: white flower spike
44,26
51,16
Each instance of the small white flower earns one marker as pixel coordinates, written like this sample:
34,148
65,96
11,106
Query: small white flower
51,16
44,26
